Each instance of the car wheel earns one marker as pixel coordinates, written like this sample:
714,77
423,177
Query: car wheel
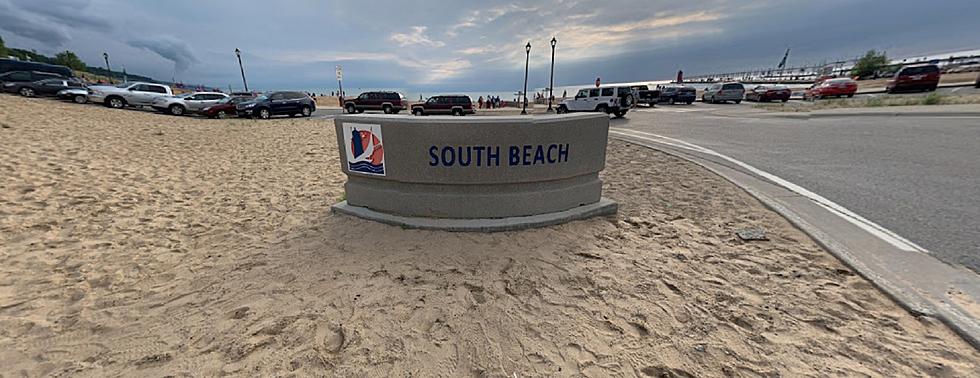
621,113
27,92
850,95
115,102
457,112
264,113
602,108
417,112
351,109
785,99
80,99
562,109
738,101
386,109
176,109
221,115
627,101
671,101
306,112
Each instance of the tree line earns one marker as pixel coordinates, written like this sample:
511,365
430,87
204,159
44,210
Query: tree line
65,58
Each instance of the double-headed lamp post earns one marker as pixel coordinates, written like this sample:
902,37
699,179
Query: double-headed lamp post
105,55
551,84
527,61
238,53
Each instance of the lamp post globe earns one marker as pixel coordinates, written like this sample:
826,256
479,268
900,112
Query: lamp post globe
527,60
551,83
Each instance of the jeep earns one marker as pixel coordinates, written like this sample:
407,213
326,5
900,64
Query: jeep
609,100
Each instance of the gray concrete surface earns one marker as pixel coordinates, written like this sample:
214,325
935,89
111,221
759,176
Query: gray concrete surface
916,280
603,207
475,167
917,176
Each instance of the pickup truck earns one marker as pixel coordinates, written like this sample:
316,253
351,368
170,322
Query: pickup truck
130,93
645,95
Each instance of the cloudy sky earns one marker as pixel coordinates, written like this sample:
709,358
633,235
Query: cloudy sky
466,45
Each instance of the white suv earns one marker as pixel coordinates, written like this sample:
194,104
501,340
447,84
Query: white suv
188,102
610,100
130,93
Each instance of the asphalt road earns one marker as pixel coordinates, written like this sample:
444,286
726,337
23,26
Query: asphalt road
917,176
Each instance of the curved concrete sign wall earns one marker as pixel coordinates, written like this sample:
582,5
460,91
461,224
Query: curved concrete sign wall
473,173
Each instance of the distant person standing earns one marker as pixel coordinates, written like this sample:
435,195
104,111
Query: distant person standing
564,93
480,102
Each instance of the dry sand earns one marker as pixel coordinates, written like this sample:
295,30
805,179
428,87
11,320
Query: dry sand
137,244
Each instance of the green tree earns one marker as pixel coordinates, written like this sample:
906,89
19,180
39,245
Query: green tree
3,49
870,63
70,60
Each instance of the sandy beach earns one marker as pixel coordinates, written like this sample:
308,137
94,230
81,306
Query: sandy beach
138,244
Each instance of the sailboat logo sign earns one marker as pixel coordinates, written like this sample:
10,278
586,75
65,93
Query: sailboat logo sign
365,148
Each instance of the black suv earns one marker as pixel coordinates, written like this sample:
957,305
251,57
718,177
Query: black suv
277,103
678,94
14,80
455,105
388,102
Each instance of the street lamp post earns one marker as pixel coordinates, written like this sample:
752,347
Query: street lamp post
238,53
551,85
527,61
108,70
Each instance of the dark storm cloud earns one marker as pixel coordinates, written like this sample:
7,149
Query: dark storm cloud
170,48
50,22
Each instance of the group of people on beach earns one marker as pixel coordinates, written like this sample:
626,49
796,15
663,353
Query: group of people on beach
491,102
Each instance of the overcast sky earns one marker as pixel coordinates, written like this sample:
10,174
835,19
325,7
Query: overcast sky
465,45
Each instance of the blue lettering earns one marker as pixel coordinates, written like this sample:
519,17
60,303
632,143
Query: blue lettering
515,155
539,154
495,156
469,158
432,155
452,156
527,155
479,154
563,152
551,150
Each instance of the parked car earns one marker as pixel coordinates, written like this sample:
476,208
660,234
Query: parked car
76,95
277,103
8,65
13,81
918,77
388,102
678,94
831,88
456,105
46,87
187,102
766,93
722,92
129,93
225,108
645,95
610,100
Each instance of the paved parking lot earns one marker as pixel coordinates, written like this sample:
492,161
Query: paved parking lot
916,176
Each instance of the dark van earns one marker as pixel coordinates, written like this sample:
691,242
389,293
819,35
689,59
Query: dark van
923,77
7,65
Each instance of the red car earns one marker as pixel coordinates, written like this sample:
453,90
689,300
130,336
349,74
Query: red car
224,108
455,105
919,77
832,88
764,93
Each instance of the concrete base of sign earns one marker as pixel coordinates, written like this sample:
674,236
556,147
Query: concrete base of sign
603,207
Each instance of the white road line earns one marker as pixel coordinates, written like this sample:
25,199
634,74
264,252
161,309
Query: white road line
848,215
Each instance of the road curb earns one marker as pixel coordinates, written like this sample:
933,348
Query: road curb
923,302
808,115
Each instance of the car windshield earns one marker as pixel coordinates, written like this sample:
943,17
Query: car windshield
261,98
184,95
